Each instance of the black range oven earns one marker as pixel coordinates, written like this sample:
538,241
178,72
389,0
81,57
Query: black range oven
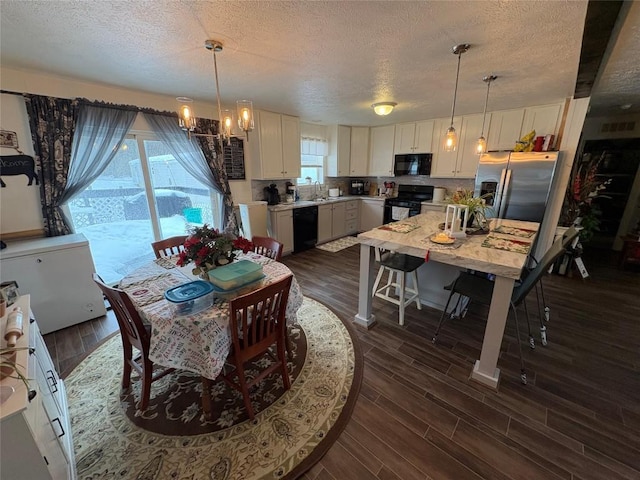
407,203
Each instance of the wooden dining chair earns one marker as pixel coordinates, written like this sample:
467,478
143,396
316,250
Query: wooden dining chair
134,334
257,321
169,246
267,246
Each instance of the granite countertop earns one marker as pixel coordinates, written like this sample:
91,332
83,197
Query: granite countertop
471,254
309,203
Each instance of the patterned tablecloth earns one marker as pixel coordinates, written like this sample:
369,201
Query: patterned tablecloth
198,342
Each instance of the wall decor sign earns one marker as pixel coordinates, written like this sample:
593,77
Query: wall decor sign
8,139
9,291
234,159
18,165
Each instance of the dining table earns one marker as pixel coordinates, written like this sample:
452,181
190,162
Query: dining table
501,251
199,342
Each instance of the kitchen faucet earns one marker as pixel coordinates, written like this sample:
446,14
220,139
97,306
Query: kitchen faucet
319,187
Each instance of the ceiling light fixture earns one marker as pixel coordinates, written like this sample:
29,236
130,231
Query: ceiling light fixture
451,139
383,108
481,145
187,119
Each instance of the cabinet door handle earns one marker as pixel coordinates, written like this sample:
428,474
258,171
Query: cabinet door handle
38,260
54,383
57,419
32,395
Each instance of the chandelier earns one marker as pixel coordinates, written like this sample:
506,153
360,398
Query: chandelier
244,108
451,138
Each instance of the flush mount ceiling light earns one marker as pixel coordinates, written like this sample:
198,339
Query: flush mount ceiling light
383,108
481,145
187,119
451,138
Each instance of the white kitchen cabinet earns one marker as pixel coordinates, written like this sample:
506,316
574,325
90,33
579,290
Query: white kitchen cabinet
544,119
338,220
339,158
359,161
56,272
35,435
504,129
275,146
371,213
352,216
414,137
281,228
381,151
325,223
463,162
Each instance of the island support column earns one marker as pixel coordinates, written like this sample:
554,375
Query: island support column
364,317
485,370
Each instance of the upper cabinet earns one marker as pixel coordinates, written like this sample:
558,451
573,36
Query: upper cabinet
414,137
275,146
359,164
544,119
463,162
504,129
338,161
381,151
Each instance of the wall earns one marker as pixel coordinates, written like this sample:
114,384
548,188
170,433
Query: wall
14,118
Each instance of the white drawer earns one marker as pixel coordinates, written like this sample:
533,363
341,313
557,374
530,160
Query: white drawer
352,226
352,204
351,214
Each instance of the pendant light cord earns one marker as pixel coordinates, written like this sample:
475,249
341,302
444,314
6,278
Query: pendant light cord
486,100
215,68
455,91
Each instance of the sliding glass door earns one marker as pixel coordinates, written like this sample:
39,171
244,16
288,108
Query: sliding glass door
142,196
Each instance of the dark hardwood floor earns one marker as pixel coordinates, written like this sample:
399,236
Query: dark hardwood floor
418,415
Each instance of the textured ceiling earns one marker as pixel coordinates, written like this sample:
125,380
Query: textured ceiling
323,61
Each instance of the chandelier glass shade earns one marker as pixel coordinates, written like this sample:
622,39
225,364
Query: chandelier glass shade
383,108
481,144
451,137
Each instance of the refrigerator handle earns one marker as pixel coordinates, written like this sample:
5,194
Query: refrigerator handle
505,190
498,198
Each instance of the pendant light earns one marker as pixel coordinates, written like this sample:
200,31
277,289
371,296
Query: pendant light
187,119
451,138
481,145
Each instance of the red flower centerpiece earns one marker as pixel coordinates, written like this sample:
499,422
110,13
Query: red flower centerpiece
208,248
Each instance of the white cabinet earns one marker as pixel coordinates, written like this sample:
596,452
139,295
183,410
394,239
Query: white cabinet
463,162
275,146
352,216
325,223
414,137
56,271
359,162
35,435
544,119
371,213
335,220
504,129
281,228
381,151
338,160
338,220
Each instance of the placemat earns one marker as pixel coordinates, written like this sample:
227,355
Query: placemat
166,262
506,244
400,227
516,232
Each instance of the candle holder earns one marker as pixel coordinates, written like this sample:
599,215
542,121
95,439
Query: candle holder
455,213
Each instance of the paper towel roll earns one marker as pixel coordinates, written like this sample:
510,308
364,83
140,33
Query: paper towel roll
438,194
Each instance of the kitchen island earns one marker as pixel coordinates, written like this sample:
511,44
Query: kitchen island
505,265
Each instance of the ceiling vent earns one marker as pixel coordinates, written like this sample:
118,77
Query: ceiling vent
618,127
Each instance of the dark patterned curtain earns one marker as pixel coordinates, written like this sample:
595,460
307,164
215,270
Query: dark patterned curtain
52,121
212,151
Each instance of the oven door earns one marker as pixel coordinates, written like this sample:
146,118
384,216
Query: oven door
392,214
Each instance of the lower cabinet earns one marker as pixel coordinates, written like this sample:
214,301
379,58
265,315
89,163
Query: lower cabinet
35,435
281,228
352,216
331,221
371,213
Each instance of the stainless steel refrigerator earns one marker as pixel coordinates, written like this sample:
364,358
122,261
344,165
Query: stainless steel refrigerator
519,183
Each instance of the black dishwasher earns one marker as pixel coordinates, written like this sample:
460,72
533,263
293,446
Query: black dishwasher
305,228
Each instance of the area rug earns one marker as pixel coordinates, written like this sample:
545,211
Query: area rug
287,436
340,244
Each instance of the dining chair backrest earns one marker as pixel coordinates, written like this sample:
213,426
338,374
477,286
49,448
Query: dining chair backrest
169,246
569,236
521,291
258,318
131,325
267,246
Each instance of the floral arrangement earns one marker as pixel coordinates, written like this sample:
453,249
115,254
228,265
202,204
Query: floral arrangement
208,248
584,186
477,205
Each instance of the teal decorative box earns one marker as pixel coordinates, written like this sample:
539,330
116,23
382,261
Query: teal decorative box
235,275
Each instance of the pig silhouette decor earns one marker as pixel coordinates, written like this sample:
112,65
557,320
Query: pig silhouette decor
18,165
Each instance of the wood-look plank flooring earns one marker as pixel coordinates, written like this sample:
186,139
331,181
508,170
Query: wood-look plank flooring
420,417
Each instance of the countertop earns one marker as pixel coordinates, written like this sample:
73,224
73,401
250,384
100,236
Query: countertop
309,203
471,254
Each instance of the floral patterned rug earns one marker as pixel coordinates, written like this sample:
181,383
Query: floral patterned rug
337,245
284,440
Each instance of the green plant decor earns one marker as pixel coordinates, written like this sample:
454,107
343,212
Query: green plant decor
478,208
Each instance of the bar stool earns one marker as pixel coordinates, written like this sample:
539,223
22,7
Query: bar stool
397,265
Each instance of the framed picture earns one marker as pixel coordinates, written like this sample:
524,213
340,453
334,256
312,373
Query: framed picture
9,291
8,139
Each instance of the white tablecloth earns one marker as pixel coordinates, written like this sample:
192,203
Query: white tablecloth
198,342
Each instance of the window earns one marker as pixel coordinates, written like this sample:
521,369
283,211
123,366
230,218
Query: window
313,154
142,196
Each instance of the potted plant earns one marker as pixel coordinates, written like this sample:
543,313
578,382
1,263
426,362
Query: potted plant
8,365
478,208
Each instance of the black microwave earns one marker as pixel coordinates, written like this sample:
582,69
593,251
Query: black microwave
412,164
